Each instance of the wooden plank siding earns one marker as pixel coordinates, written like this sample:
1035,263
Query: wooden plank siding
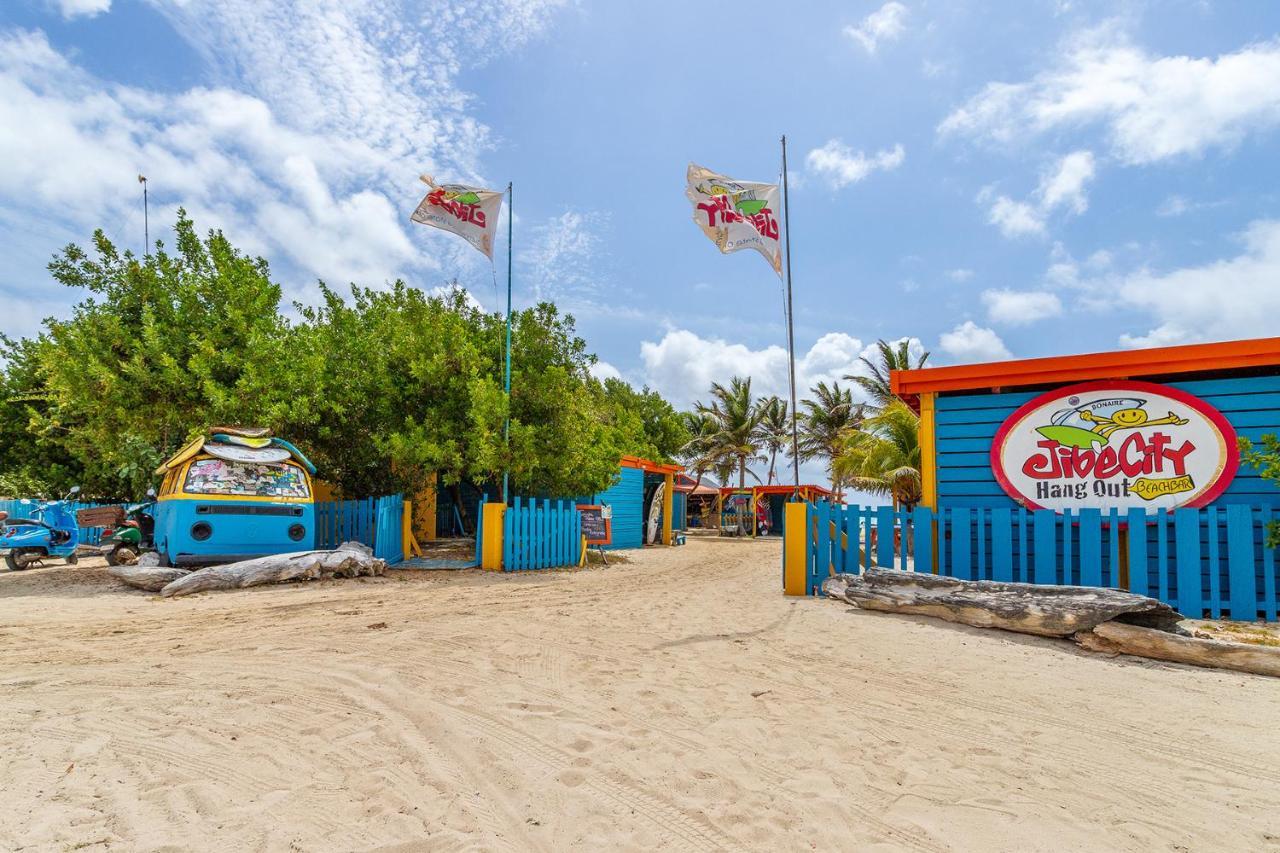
626,498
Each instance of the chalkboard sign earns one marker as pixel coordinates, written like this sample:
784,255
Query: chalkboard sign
595,524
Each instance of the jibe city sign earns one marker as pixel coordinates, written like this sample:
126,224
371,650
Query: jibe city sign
1115,444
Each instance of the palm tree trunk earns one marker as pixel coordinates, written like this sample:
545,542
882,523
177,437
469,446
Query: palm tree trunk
742,472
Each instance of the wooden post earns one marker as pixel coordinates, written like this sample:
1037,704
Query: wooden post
410,542
668,507
795,531
928,440
491,541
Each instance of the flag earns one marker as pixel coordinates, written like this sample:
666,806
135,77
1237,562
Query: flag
736,214
469,212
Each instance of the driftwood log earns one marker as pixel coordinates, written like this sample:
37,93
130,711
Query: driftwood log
150,578
1049,611
1119,639
1100,620
348,560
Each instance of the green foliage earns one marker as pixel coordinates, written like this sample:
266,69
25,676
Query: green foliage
725,435
1267,460
826,420
882,457
381,390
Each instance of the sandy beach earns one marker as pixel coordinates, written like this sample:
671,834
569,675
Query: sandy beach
674,702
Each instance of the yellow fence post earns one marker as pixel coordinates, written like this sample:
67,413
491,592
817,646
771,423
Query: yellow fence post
410,542
795,533
491,537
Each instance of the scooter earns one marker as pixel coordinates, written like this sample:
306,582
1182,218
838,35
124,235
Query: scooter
49,531
136,534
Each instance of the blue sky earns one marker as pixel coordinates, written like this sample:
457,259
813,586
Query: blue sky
994,179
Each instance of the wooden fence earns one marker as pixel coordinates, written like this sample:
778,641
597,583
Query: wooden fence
377,522
541,534
1211,562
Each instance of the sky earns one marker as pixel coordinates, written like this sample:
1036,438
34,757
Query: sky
990,179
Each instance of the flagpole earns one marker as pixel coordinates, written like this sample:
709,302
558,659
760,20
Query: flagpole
791,332
506,430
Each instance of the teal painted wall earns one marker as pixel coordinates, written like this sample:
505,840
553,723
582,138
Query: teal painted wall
626,497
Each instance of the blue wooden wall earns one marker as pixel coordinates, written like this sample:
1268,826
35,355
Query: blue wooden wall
967,424
626,497
678,510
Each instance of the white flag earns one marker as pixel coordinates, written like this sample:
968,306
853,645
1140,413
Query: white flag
469,212
736,214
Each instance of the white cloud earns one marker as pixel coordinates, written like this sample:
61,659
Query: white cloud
561,254
1236,297
682,365
603,370
1015,218
970,342
82,8
960,274
1152,107
1064,186
305,148
840,166
883,25
1019,307
1060,187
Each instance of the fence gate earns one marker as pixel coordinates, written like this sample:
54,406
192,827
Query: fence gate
541,534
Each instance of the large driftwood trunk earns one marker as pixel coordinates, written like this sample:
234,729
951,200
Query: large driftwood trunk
348,560
1049,611
150,578
1116,638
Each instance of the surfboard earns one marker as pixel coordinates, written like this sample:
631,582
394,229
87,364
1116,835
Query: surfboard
297,454
181,456
242,440
655,511
236,453
246,431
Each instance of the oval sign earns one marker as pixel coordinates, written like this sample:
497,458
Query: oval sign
1115,444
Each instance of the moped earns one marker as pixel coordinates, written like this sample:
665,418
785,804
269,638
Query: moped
48,530
123,545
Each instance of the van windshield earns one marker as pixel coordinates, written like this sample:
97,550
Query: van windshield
261,479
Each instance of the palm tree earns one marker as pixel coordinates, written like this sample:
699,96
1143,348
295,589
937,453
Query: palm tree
883,457
877,385
775,430
731,439
825,423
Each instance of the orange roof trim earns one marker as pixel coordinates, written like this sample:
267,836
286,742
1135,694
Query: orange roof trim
651,466
1122,364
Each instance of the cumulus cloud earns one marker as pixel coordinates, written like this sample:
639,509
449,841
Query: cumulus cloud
883,25
960,274
304,147
1062,186
839,165
82,8
603,370
969,342
1235,297
1152,107
1019,307
682,365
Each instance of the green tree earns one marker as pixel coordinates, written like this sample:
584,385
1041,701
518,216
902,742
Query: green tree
651,428
892,357
826,420
883,456
1267,460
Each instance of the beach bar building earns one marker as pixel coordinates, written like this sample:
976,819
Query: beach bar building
1117,469
630,500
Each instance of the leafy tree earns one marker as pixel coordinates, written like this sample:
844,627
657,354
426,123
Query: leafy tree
33,461
826,420
883,456
877,385
652,428
1267,460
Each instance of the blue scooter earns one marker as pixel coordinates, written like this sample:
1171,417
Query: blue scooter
49,531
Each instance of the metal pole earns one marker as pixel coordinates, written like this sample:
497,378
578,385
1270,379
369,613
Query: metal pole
791,332
506,430
146,224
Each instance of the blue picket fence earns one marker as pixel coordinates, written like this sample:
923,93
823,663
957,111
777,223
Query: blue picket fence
88,535
377,522
540,534
1210,562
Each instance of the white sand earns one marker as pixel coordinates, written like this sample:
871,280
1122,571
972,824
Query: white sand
603,710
